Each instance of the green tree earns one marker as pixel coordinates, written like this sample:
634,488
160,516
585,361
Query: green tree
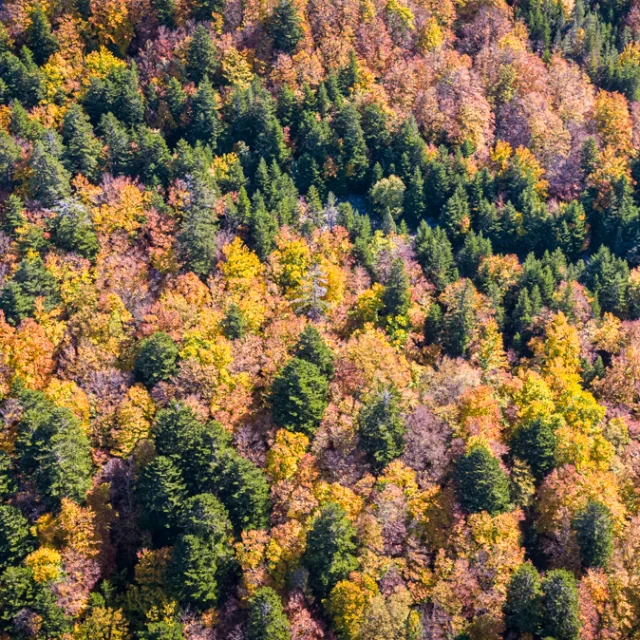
15,539
456,217
459,321
165,630
560,608
204,118
381,428
330,551
284,27
435,255
267,619
157,359
203,57
9,156
607,276
536,443
118,157
166,12
312,348
474,249
50,181
8,482
299,396
353,154
482,485
161,494
593,526
82,148
234,325
39,38
524,600
72,230
396,296
152,160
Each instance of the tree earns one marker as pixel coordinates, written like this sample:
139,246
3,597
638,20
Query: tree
203,57
8,483
354,159
459,320
243,489
475,248
455,217
72,230
330,550
234,324
284,27
435,255
593,526
267,620
40,40
524,600
299,396
560,608
204,118
152,161
50,181
156,360
381,428
396,296
312,348
536,443
82,148
161,494
15,538
482,485
203,515
118,142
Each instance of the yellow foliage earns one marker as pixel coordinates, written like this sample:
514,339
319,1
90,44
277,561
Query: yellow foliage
345,497
432,36
285,454
368,306
98,64
207,349
45,563
613,121
403,13
236,68
111,20
560,350
127,214
241,267
346,605
534,398
608,335
134,417
66,393
500,155
284,550
103,623
290,263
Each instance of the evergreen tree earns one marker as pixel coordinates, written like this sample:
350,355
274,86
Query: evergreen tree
39,38
594,531
607,276
524,600
203,57
414,204
396,297
234,325
9,156
50,181
262,228
8,483
267,619
284,27
435,255
82,148
482,485
164,630
299,396
72,230
381,428
204,119
312,348
118,142
161,493
166,12
330,550
152,160
354,160
536,443
459,321
13,216
560,610
156,360
475,248
456,217
15,539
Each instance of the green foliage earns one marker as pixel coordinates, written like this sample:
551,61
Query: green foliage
267,620
560,608
330,551
536,442
82,148
50,182
204,118
8,483
396,297
593,526
234,325
284,27
40,40
435,255
157,359
15,539
482,485
381,428
312,348
299,396
72,230
524,600
203,57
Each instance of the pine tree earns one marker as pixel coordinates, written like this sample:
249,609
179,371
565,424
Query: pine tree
299,396
50,182
381,428
414,205
536,443
594,531
8,482
9,156
72,230
522,607
396,297
262,228
560,610
456,217
330,550
153,158
82,148
481,483
166,12
475,248
156,360
15,539
203,57
118,142
40,40
204,119
312,348
267,619
435,255
354,160
284,27
459,321
234,325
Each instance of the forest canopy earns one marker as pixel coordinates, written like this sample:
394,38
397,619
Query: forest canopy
319,320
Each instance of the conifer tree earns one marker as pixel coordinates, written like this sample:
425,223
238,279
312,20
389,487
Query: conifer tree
396,296
40,40
203,57
522,607
560,608
204,119
157,359
82,148
284,27
594,531
15,539
267,619
536,443
435,255
312,348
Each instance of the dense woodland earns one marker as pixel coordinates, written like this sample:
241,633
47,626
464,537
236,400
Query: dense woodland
319,319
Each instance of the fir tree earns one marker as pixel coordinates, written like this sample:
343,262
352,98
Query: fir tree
82,148
560,610
396,297
39,39
157,359
267,619
594,531
312,348
522,607
435,255
284,27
